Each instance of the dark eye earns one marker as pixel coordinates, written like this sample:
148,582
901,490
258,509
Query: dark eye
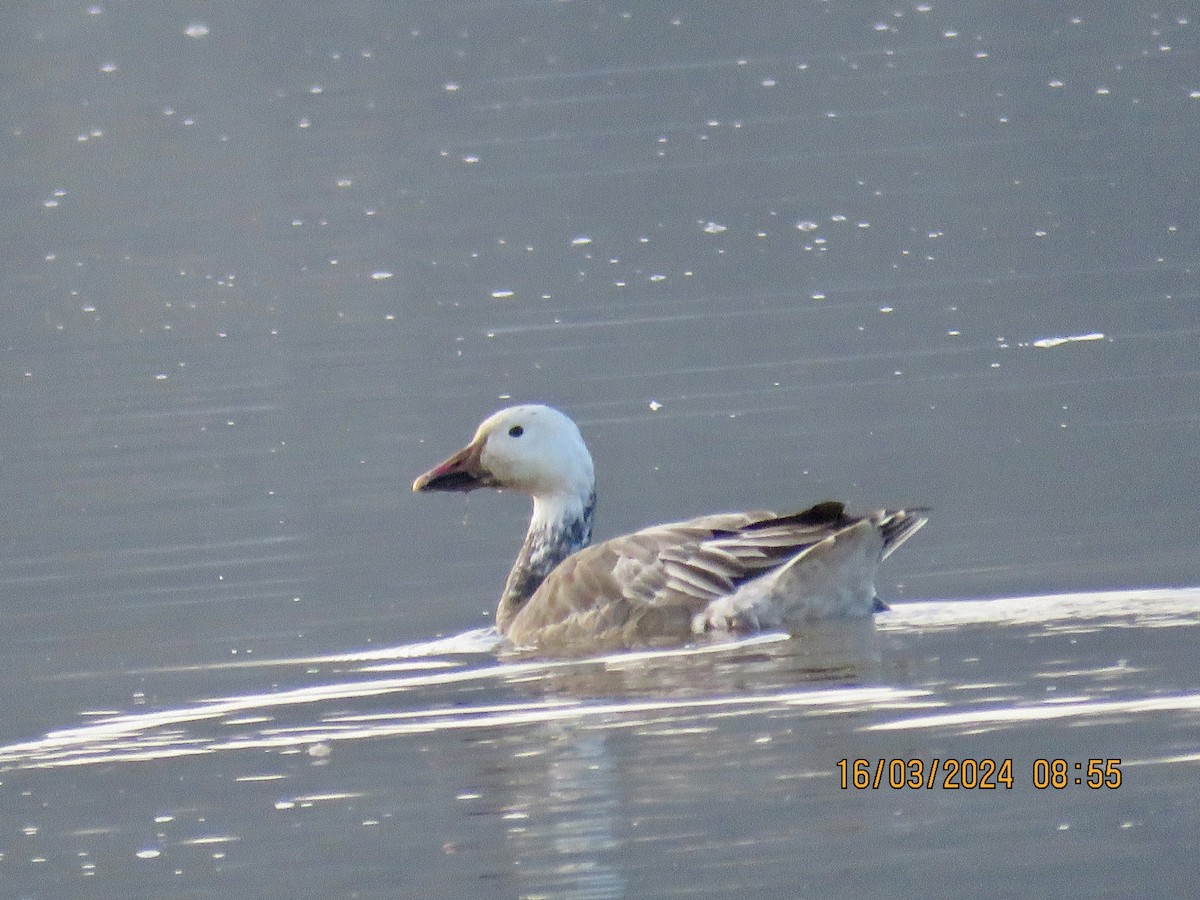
516,431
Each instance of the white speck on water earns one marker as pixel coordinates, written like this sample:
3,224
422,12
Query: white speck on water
316,89
581,240
304,123
714,228
769,82
148,853
108,68
196,30
806,225
320,750
657,278
887,309
1055,83
451,86
655,406
471,159
382,275
344,182
503,294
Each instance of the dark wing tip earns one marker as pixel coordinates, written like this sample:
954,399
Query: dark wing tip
828,512
897,526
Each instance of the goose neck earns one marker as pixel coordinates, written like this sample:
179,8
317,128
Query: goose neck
556,530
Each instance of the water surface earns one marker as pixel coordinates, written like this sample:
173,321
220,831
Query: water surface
264,263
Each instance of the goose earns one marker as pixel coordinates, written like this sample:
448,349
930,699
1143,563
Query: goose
728,573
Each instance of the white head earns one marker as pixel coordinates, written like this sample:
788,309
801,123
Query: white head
534,449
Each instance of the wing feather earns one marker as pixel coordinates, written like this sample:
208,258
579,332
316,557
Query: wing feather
668,573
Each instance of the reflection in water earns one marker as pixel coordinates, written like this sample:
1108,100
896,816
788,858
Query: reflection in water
840,652
830,668
688,683
561,818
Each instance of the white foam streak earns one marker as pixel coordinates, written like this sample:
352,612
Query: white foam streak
1072,709
1147,608
1046,343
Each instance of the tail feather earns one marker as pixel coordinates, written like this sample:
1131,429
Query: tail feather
898,525
832,577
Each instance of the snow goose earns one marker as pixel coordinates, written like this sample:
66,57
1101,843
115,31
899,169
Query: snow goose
732,572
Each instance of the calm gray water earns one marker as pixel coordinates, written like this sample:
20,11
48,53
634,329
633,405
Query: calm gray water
263,263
